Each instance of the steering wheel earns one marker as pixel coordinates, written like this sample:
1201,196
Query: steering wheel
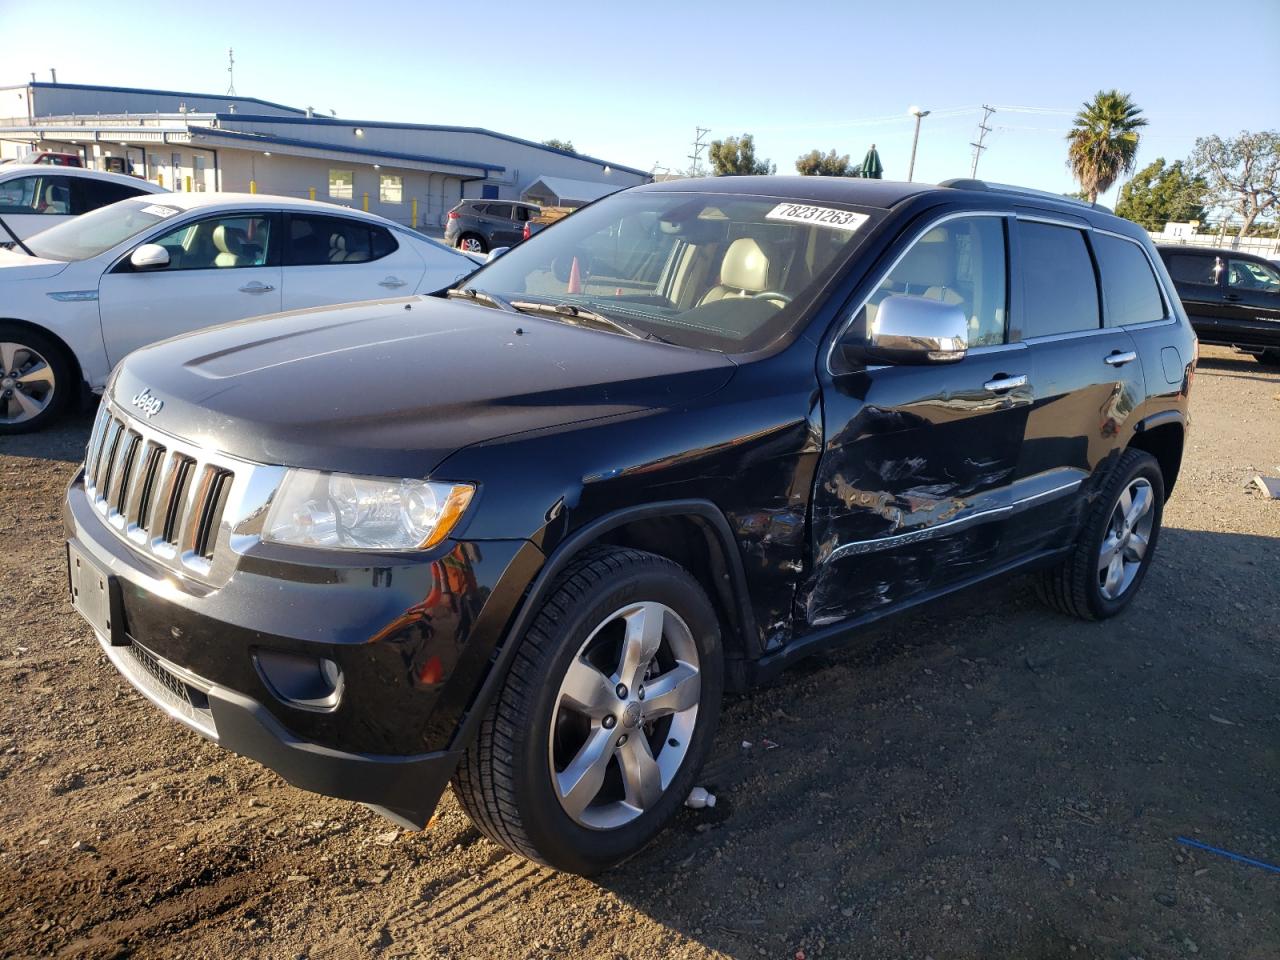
771,295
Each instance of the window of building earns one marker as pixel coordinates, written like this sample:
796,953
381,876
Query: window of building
1060,291
198,163
1129,288
320,240
961,262
219,243
390,188
341,184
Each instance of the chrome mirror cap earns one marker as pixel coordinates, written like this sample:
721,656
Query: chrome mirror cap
917,330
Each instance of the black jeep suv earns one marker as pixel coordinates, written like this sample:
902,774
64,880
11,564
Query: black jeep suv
1231,298
523,537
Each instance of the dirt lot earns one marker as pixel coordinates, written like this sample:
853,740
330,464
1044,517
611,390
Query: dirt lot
988,780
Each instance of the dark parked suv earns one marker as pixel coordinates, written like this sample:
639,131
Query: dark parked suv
479,226
700,430
1231,298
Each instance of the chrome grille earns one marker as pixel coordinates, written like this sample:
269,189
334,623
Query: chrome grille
186,507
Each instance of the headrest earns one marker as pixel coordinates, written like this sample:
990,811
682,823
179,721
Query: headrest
228,239
745,266
337,241
928,263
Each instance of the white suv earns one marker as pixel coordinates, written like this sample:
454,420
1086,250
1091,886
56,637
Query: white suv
150,268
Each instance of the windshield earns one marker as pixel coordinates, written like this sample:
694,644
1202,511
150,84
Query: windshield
93,233
715,271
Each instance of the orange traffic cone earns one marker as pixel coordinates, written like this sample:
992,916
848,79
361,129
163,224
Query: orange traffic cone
575,278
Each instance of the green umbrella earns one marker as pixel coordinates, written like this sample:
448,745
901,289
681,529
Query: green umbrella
871,165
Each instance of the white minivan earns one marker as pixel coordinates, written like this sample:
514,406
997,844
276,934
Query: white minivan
37,196
150,268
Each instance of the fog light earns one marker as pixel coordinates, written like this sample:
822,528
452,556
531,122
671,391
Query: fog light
308,683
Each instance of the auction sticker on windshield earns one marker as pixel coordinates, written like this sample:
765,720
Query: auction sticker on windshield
818,216
158,210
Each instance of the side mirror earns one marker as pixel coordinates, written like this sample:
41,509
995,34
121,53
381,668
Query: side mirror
495,253
149,256
917,330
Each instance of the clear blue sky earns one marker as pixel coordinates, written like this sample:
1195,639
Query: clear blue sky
628,82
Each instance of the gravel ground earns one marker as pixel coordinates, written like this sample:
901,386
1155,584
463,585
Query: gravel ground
987,779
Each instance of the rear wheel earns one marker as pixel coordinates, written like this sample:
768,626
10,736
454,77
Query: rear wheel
606,717
1270,358
472,243
1117,542
35,379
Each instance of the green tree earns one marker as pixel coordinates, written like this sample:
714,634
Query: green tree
1242,173
815,164
565,145
736,157
1158,194
1103,141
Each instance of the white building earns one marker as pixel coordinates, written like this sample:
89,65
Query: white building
412,173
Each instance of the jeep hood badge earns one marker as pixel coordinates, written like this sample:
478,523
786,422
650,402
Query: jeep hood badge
147,402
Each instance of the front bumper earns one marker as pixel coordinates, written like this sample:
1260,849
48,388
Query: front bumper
414,640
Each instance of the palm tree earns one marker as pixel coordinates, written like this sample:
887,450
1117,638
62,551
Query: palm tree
1103,141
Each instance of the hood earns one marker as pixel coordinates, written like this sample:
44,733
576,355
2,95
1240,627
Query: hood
16,265
393,387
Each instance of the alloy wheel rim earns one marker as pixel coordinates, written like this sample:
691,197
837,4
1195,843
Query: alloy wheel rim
471,245
1127,540
27,383
624,716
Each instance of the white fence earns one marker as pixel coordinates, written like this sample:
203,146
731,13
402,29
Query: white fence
1182,234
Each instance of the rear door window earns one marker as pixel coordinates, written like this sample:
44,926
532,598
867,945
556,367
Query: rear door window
1059,288
500,210
1129,289
87,194
1198,268
320,240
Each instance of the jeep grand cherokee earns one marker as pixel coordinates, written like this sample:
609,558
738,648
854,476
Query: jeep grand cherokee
522,538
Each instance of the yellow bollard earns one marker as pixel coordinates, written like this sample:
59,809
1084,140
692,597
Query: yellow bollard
188,184
414,208
365,205
253,186
311,193
160,179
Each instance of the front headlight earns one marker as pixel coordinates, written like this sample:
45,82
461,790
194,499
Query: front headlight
343,512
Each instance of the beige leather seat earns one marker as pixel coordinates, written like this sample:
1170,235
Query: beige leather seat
55,200
337,248
926,271
229,243
744,272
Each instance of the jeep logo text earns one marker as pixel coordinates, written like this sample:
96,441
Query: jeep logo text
148,404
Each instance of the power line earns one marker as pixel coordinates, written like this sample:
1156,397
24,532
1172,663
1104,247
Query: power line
978,145
695,158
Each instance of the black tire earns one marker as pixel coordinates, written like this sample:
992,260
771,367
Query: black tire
1269,358
1073,587
484,247
504,781
64,380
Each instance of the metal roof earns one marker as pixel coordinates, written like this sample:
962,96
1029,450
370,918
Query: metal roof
584,191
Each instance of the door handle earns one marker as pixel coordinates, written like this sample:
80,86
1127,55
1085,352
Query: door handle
1119,359
256,287
1233,297
1001,383
391,283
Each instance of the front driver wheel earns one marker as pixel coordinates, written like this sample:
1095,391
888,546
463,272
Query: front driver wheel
606,717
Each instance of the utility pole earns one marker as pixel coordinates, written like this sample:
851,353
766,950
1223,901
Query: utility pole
231,72
919,115
977,145
695,166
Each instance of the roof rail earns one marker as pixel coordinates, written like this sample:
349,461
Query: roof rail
963,183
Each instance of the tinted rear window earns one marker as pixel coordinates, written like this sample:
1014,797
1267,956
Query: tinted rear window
1060,292
502,210
1192,268
1129,287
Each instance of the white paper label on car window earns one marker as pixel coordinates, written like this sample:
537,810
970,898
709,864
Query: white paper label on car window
818,216
159,210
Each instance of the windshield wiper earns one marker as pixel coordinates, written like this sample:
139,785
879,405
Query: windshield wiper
573,312
16,238
471,293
